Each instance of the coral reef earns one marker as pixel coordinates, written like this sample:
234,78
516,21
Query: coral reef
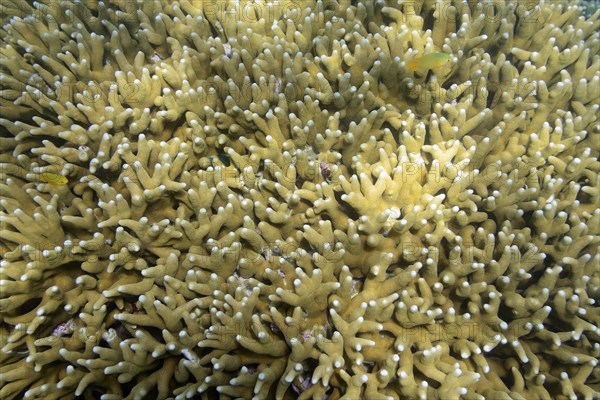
251,199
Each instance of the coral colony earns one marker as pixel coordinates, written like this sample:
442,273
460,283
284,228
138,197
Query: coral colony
261,200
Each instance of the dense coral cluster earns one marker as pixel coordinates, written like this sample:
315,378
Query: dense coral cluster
263,201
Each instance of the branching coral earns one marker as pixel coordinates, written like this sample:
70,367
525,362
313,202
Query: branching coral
263,201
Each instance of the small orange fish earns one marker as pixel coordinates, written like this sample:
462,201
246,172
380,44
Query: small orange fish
429,61
53,179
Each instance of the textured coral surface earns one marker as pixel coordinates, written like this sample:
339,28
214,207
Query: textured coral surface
250,199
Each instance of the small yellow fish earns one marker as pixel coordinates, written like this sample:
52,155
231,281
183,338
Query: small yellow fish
53,179
429,61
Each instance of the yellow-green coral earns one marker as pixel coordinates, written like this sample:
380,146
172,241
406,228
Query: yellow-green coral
262,201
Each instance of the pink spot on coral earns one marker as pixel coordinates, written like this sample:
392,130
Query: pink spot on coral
325,169
305,383
66,328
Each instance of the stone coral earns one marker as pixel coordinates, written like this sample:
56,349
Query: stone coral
263,202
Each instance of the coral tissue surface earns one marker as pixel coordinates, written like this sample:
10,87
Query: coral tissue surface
329,199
